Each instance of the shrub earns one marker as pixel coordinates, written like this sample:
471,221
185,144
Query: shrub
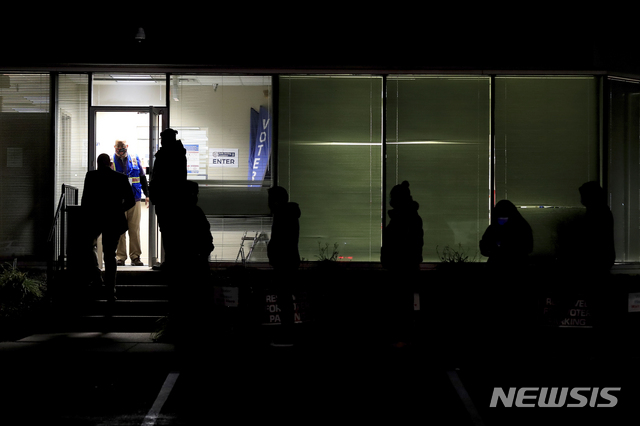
18,292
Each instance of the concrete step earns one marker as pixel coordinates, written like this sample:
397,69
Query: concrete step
143,299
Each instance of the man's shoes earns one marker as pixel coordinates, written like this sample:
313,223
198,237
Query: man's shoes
120,262
137,262
111,296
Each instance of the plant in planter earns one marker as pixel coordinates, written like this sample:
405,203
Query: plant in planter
326,254
451,256
19,296
18,293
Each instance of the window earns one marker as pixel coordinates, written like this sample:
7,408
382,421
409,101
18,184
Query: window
119,89
25,164
624,166
438,130
225,124
329,159
546,147
71,132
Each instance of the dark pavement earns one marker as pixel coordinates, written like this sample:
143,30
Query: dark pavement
127,379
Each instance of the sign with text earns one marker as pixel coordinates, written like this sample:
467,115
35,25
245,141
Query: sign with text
259,144
226,296
567,312
273,312
223,157
634,302
193,158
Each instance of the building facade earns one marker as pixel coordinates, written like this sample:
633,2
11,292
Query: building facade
338,139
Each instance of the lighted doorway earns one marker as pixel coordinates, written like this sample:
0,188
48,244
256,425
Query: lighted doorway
139,128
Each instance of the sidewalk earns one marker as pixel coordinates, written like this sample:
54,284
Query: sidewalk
86,342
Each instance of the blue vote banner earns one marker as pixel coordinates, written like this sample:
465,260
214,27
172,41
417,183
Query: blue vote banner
259,145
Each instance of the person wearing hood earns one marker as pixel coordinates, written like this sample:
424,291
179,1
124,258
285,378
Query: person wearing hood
282,248
167,187
284,257
401,254
403,237
508,240
596,245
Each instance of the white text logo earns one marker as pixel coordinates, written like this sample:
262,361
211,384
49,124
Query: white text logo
554,397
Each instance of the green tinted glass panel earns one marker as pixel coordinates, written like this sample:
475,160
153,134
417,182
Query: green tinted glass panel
546,147
438,140
329,159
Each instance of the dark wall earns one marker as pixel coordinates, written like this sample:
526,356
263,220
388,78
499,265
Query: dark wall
26,190
232,36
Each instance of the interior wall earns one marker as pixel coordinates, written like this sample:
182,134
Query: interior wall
225,113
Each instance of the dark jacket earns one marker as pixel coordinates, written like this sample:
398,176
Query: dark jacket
509,243
282,248
168,174
403,238
106,196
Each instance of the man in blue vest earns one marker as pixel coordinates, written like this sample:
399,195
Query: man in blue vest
130,165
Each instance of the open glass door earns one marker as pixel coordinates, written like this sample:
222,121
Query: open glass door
157,122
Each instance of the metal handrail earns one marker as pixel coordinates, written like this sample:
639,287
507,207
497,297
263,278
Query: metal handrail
55,217
58,233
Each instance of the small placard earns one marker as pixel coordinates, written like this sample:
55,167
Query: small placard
223,157
634,302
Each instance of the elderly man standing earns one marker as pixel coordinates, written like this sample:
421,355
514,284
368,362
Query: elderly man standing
129,164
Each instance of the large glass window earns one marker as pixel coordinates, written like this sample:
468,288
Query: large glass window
225,124
120,89
25,164
72,131
438,132
546,147
329,159
624,166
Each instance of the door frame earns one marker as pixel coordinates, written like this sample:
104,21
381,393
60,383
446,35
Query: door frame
163,122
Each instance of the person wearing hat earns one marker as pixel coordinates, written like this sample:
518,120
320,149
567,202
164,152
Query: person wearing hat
401,255
402,239
166,187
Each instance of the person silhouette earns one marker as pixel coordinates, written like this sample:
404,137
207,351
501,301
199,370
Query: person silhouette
166,191
403,237
189,304
508,240
196,235
401,254
596,244
106,197
284,257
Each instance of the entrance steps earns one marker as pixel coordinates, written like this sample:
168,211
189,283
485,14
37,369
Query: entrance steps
142,300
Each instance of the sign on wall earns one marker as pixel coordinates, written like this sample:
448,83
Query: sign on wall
223,157
193,158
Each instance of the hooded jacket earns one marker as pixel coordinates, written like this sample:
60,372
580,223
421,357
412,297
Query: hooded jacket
403,237
509,239
282,248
